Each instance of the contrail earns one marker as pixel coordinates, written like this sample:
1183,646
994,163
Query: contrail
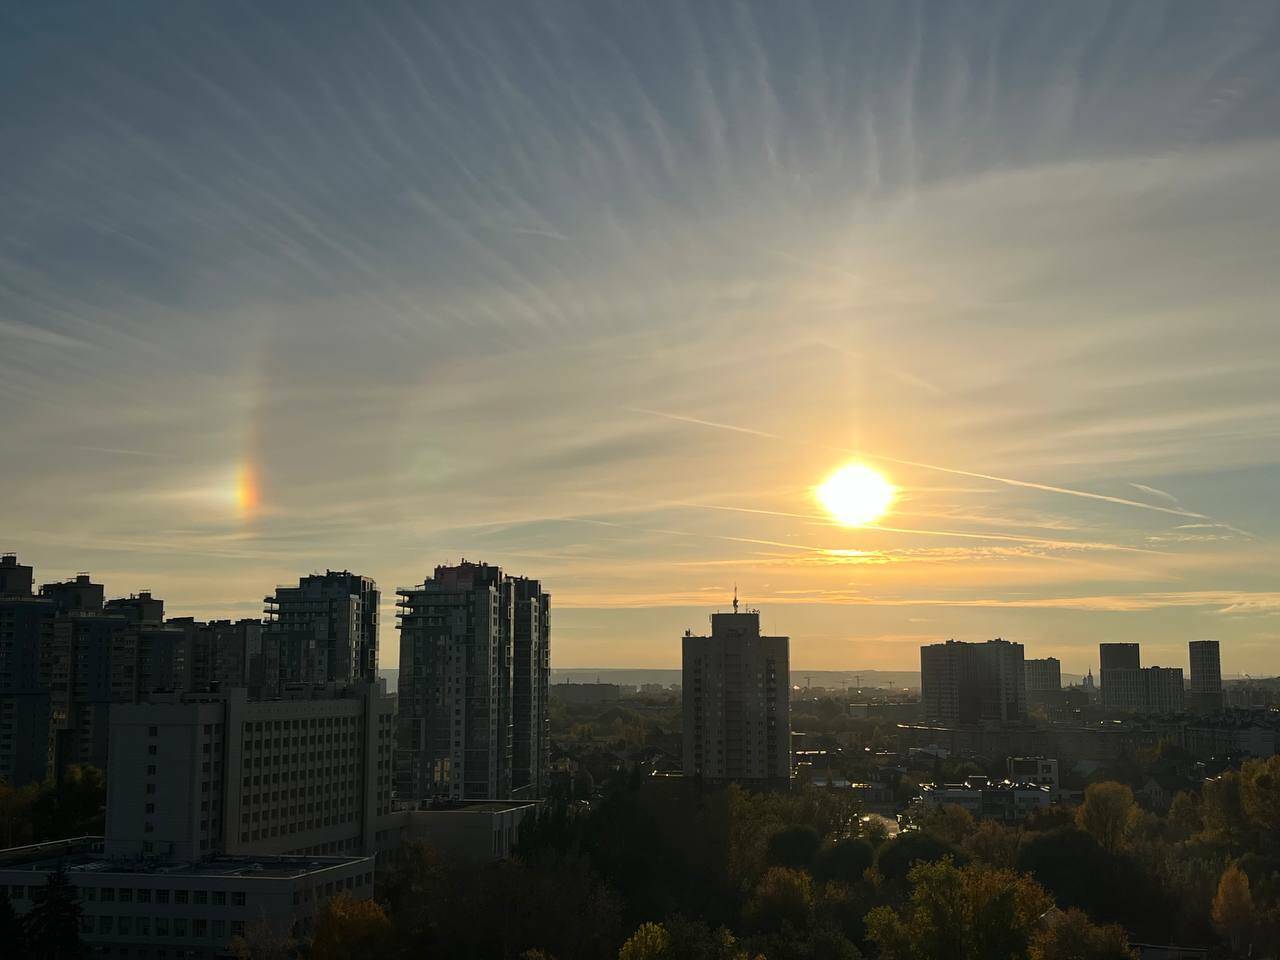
1042,541
1028,484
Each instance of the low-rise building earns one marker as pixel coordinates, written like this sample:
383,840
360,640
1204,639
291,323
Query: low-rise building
190,909
474,830
1008,801
1042,771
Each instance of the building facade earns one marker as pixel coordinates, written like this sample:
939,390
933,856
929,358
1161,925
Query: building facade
1043,675
149,908
326,628
204,774
475,648
1206,676
736,689
973,682
26,626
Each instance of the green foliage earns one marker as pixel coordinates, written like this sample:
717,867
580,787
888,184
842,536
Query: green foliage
1107,813
46,811
948,823
794,846
895,858
960,913
844,860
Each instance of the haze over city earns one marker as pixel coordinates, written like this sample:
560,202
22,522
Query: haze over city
908,327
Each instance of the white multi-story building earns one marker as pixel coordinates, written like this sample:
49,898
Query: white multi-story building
206,774
736,686
141,907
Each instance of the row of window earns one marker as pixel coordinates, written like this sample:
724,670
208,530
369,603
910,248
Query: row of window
160,895
196,927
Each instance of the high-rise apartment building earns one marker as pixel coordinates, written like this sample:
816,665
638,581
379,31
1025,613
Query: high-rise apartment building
1206,676
26,624
326,628
203,774
973,682
1129,687
474,668
1043,675
736,687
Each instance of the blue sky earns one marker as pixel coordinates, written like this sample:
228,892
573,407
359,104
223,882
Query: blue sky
600,292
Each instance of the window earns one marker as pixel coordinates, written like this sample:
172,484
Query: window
153,731
124,926
144,926
108,894
180,927
162,896
180,896
219,898
144,894
237,898
201,898
126,895
162,926
152,750
199,927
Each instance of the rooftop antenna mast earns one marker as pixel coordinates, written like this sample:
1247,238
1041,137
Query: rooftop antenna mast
735,598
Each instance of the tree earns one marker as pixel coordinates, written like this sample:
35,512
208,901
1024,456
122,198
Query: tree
894,858
260,941
1070,935
1107,812
1184,814
783,896
51,928
960,913
650,942
1260,792
845,860
993,844
794,846
948,822
1232,911
347,927
1222,808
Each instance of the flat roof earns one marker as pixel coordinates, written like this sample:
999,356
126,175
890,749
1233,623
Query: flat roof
78,862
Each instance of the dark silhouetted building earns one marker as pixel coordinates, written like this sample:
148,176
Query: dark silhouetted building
326,628
474,669
26,626
1206,676
973,682
736,689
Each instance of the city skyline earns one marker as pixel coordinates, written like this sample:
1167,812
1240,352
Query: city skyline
608,296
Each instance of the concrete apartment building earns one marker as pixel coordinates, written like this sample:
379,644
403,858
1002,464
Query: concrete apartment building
142,907
1043,675
972,683
26,624
1205,695
736,689
1128,687
474,670
204,774
326,628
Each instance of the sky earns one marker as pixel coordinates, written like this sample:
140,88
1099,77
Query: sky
601,291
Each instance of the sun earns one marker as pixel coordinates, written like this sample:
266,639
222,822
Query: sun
856,495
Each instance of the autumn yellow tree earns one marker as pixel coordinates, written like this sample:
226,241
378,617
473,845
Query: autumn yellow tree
1107,813
1260,792
1232,911
650,942
1071,935
347,927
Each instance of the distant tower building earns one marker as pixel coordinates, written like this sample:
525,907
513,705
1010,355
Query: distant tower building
1087,682
326,628
973,682
1129,687
737,702
474,669
1206,676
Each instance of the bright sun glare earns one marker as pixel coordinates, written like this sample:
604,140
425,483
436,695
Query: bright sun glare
855,495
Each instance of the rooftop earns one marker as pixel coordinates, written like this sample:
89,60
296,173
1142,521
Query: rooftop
84,855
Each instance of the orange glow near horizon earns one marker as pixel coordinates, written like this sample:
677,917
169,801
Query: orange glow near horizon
856,495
